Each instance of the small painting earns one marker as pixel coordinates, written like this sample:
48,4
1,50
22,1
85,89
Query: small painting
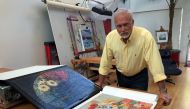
162,36
86,37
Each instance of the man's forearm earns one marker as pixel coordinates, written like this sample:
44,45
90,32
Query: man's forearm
162,87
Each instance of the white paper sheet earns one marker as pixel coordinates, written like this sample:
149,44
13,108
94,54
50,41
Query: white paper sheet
25,71
135,95
124,93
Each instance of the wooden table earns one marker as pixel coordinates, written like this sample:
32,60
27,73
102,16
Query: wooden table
95,60
90,60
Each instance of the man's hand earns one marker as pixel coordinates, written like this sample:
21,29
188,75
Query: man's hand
163,93
166,97
98,83
100,80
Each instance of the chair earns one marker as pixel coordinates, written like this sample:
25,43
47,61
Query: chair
170,66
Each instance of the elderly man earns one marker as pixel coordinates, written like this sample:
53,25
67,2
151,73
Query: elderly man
135,52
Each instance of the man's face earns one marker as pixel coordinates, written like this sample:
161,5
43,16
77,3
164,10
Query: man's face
124,25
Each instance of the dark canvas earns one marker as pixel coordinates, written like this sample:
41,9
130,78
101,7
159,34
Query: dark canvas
57,88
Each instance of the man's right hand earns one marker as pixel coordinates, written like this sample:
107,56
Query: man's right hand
100,80
98,83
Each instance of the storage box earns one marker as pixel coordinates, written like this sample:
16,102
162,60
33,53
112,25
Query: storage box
8,96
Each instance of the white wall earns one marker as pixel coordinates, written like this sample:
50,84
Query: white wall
147,5
152,17
154,13
185,29
24,26
152,20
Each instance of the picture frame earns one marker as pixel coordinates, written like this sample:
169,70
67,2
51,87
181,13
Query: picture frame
162,36
86,37
83,36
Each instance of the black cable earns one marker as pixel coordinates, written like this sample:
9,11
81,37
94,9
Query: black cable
115,9
82,17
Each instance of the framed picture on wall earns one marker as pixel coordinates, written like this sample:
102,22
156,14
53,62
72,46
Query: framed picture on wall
162,36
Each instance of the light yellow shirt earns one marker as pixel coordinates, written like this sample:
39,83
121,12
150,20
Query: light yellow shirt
139,52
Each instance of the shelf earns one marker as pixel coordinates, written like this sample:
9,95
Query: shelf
67,6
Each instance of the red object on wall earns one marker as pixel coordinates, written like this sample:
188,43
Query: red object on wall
48,56
107,25
175,55
51,53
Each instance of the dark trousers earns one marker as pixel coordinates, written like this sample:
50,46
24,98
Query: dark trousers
138,81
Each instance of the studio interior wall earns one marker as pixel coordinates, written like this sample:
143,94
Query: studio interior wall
185,30
24,26
153,19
